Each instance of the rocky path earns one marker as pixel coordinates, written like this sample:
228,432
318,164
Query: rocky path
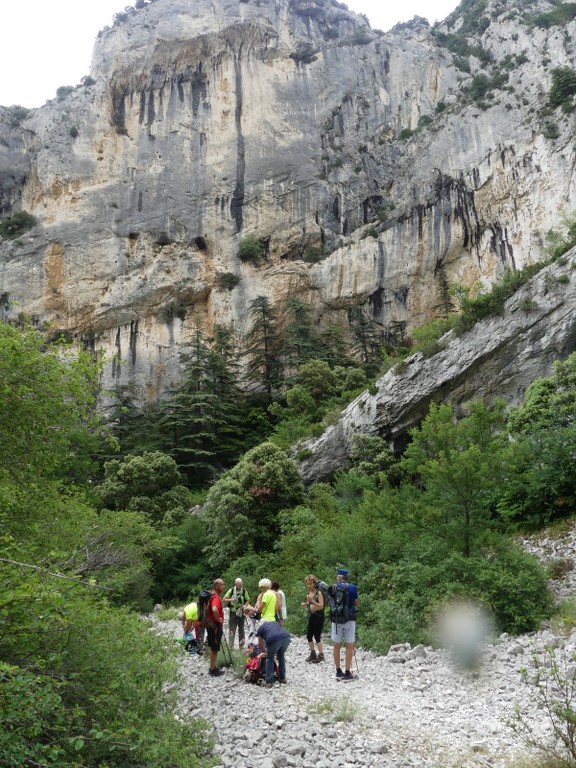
412,708
407,709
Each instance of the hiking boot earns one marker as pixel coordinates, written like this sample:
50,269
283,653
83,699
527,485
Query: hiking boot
216,672
339,673
349,675
318,659
282,682
312,656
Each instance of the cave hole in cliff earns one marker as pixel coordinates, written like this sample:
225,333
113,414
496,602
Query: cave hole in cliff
200,243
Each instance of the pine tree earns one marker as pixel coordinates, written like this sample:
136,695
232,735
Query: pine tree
264,368
368,338
189,422
300,342
446,305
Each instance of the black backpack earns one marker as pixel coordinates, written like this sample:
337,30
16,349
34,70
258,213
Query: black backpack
203,604
321,586
341,610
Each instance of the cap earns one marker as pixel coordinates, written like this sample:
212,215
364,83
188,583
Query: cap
342,572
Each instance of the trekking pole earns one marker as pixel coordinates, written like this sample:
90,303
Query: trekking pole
225,647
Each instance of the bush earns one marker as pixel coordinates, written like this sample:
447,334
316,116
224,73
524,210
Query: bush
17,114
227,280
63,91
251,249
509,583
551,685
92,687
563,88
492,303
16,225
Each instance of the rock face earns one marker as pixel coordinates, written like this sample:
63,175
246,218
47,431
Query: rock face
498,358
366,164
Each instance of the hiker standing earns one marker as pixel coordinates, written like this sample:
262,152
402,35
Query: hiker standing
215,626
343,605
235,599
281,612
266,603
273,640
315,604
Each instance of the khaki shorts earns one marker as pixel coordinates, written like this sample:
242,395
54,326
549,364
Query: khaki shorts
344,633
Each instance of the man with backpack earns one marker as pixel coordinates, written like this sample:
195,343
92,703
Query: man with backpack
343,605
214,622
235,599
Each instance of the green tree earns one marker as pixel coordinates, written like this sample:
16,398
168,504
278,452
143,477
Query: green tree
543,429
446,303
202,416
82,682
563,88
251,249
150,484
241,509
47,404
463,466
299,340
264,368
333,346
368,338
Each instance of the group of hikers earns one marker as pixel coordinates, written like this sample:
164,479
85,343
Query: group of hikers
265,647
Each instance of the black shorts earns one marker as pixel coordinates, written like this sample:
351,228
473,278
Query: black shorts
214,637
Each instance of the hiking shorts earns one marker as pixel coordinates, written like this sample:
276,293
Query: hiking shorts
344,633
214,637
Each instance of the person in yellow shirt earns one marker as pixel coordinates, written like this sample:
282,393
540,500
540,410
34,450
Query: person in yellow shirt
266,603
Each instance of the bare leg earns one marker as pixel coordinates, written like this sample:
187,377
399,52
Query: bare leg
349,654
336,653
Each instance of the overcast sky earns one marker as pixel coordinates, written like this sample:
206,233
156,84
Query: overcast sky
48,43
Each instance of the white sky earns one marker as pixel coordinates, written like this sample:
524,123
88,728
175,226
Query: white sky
48,43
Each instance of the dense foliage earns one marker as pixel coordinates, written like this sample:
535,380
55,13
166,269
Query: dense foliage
82,680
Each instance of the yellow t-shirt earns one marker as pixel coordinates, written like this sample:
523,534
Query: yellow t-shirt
268,612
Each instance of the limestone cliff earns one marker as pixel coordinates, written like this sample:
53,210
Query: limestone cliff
496,359
364,162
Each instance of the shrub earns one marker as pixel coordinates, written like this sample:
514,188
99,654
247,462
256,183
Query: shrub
312,254
17,114
563,88
251,249
492,303
551,685
551,130
16,225
559,241
560,15
63,91
227,280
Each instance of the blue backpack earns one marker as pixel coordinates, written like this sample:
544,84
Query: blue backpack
341,609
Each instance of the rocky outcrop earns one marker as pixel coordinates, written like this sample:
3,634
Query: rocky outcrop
498,358
366,163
